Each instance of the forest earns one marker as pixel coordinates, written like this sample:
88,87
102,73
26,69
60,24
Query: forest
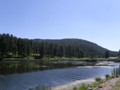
13,47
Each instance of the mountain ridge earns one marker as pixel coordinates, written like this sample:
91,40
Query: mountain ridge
11,46
78,42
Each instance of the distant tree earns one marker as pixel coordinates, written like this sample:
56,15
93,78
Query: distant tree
0,49
55,51
81,54
107,54
4,45
119,54
60,50
69,51
22,48
41,50
12,48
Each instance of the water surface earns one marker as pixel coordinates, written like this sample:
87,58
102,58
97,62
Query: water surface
55,77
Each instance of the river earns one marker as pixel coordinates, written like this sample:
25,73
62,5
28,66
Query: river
51,78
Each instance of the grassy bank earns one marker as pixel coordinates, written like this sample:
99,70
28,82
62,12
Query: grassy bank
63,58
84,59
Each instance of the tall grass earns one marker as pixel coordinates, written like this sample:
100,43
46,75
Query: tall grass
116,72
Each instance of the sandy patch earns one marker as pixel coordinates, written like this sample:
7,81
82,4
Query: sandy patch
71,85
95,67
108,85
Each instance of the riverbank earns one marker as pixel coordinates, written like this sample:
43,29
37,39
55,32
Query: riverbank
63,58
112,84
84,59
109,84
71,85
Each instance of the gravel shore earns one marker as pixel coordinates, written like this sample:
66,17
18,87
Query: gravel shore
108,85
71,85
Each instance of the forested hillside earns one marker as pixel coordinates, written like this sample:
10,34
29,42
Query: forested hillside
11,46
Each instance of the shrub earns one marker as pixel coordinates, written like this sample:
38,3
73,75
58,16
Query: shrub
98,79
83,87
75,88
107,76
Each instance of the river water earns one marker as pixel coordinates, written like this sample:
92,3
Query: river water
55,77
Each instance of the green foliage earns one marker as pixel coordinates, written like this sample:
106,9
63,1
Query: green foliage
93,85
107,54
107,76
119,54
98,79
75,88
116,72
83,87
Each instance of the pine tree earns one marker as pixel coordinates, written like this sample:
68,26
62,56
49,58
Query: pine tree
119,54
107,54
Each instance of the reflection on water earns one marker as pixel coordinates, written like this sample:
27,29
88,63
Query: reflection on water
10,67
25,81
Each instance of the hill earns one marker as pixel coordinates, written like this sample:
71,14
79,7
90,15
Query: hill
89,49
11,46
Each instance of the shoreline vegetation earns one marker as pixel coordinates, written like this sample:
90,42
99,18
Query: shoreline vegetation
65,58
19,65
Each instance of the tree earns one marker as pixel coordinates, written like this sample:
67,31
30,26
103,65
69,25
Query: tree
0,49
22,48
4,45
41,50
107,54
119,54
81,54
69,51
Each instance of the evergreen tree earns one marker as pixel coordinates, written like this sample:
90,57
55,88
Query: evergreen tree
41,50
55,51
107,54
119,54
0,49
22,48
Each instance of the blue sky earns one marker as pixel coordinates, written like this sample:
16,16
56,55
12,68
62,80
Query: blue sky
94,20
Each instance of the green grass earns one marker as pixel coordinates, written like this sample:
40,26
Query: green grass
65,58
92,85
85,58
96,84
86,86
82,87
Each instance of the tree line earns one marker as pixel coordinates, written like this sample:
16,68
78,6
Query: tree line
11,46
